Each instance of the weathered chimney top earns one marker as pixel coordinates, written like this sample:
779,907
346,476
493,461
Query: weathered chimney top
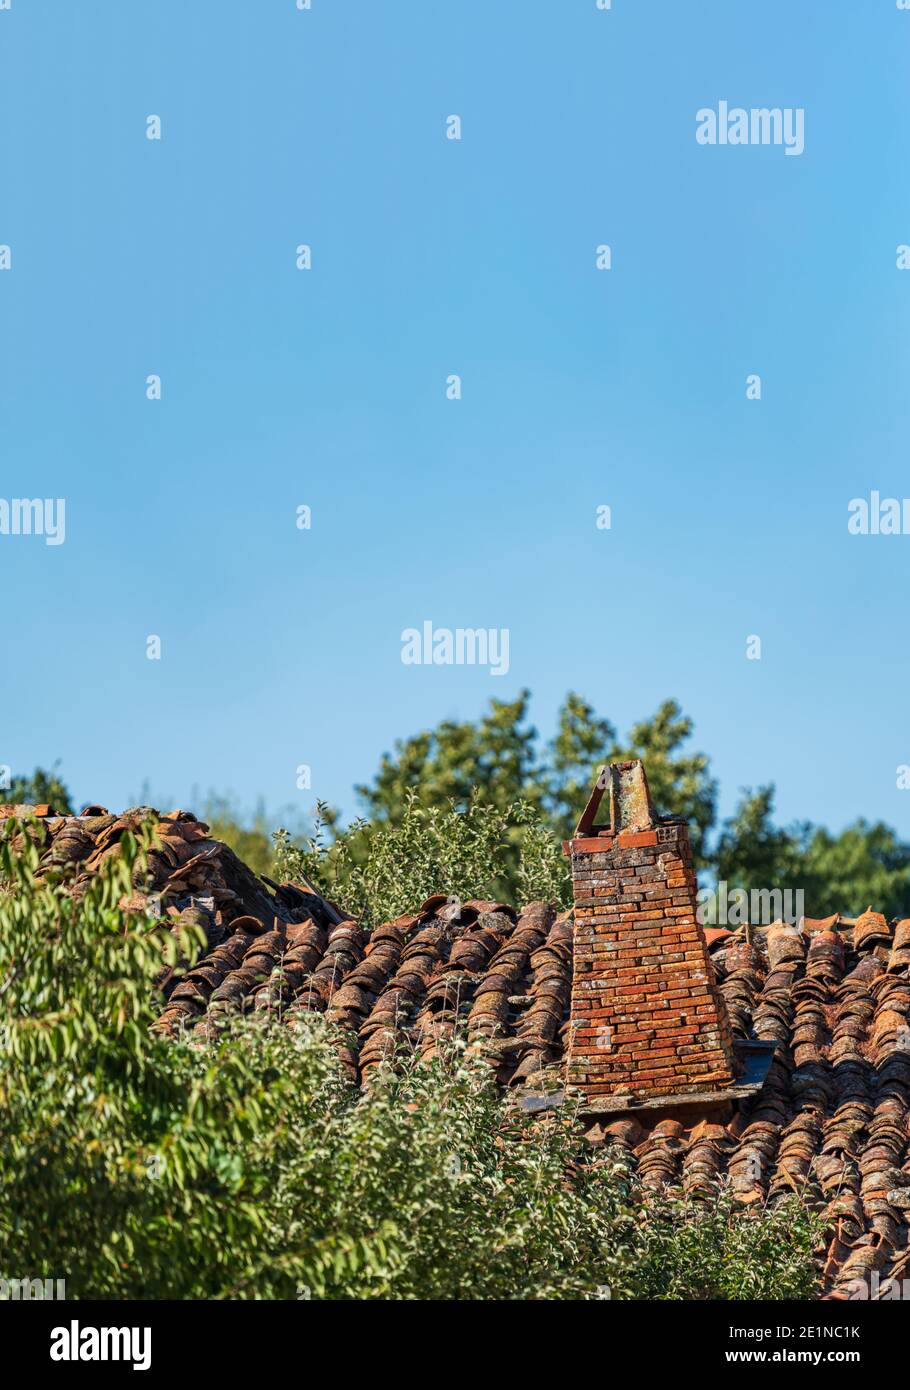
630,800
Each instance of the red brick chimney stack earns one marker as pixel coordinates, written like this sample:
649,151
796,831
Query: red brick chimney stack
647,1018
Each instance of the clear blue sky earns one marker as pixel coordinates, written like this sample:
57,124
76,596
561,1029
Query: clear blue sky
327,388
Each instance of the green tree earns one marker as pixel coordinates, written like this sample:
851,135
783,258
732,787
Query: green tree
457,763
42,788
754,853
865,865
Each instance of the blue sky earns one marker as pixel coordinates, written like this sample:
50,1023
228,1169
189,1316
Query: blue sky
580,388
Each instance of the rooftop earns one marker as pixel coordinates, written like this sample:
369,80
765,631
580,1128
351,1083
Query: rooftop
832,996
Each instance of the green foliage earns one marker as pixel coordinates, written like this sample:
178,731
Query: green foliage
543,873
42,788
379,870
865,865
751,851
457,763
250,837
430,1188
716,1250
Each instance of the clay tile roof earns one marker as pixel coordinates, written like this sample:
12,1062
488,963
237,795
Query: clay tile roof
187,869
831,1122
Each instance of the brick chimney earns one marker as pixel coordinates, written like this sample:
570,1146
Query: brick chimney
648,1021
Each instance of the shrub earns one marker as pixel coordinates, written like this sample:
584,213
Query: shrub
717,1250
380,870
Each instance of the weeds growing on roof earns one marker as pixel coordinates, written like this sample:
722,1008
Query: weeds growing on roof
379,870
718,1250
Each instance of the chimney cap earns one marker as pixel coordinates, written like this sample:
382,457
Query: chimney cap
630,799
